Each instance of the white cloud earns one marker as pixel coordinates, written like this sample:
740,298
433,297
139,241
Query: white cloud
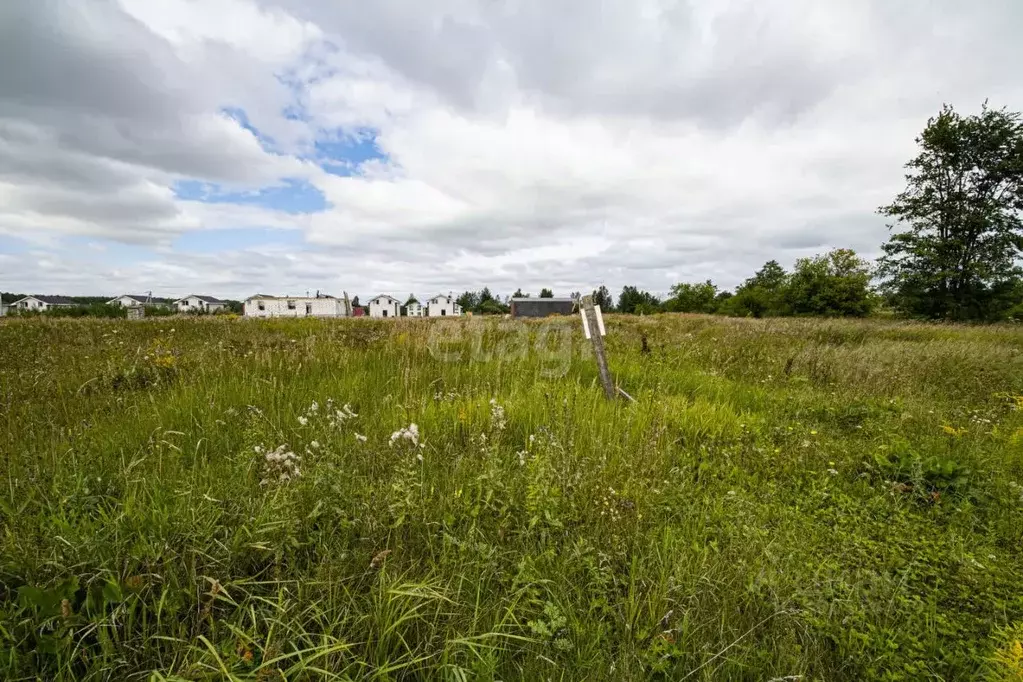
527,143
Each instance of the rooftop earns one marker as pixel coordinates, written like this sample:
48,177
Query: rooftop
272,297
202,297
52,300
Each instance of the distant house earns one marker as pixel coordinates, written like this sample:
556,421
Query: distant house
199,303
42,303
321,305
414,309
442,306
384,306
132,300
542,307
358,311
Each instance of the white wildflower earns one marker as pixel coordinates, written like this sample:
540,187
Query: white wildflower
280,465
497,419
361,438
338,417
303,420
315,445
315,407
833,472
410,433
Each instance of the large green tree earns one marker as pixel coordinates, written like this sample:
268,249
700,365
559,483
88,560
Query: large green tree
637,302
469,301
603,298
693,298
835,284
762,295
957,233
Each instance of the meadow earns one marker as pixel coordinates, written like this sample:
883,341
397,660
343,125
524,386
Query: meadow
797,499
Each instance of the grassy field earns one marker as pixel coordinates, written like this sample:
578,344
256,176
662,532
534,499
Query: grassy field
788,499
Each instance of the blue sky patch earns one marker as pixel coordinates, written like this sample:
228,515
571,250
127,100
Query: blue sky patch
343,154
239,116
11,245
291,196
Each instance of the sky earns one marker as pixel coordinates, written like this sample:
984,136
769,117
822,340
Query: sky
230,147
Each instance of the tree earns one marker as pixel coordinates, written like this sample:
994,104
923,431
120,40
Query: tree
482,302
692,298
835,284
491,306
636,302
355,302
603,298
411,299
469,301
761,295
546,293
957,254
518,294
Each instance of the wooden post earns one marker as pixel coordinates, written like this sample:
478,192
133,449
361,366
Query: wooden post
590,319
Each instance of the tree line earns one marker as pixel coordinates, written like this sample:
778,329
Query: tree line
835,284
953,254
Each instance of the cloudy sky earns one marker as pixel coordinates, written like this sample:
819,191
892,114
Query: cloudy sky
235,146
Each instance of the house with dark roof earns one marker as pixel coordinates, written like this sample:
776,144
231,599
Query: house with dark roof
42,303
134,300
199,303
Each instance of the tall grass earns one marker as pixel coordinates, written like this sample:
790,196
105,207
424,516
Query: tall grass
826,499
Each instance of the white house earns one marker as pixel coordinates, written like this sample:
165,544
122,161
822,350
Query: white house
41,303
133,300
442,306
384,306
320,305
199,303
414,309
129,300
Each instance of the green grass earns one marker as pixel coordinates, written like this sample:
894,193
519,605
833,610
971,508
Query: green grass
827,499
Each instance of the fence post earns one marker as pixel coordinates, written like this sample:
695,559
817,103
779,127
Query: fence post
594,332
